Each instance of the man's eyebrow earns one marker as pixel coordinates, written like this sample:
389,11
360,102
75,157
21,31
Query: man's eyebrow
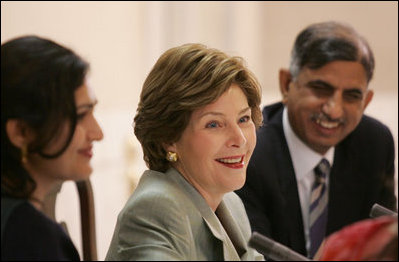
319,82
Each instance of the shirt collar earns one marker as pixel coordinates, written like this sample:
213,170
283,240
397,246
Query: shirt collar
304,159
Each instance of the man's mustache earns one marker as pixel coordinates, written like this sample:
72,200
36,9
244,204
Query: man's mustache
323,117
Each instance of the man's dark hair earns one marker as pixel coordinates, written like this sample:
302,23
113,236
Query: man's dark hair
322,43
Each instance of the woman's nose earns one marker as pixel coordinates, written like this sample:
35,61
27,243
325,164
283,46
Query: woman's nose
236,137
96,132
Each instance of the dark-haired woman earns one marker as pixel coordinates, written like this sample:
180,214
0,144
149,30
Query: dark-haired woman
47,134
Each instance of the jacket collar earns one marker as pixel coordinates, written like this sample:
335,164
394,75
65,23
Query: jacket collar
221,223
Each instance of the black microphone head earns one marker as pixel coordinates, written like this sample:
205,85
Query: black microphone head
274,250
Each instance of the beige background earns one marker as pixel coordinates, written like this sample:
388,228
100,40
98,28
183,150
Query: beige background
122,41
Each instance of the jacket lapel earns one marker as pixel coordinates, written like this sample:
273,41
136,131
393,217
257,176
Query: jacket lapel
347,188
229,252
232,229
210,218
288,185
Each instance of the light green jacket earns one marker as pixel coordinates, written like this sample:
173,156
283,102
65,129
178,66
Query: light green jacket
167,219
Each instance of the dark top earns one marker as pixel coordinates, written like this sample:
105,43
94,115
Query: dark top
362,175
28,234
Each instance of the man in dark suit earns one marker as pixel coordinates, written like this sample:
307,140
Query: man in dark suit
325,92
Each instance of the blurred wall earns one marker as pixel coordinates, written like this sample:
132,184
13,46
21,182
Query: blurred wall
122,41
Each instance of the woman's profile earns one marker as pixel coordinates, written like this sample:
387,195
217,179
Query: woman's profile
47,134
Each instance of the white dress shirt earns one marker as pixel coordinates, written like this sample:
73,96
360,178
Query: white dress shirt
304,160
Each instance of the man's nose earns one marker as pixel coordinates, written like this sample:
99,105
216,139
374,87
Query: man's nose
334,106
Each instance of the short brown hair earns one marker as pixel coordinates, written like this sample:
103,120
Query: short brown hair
184,79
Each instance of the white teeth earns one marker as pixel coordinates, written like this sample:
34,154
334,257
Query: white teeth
230,160
327,124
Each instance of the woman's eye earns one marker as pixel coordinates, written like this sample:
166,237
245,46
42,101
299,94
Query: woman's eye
244,119
212,124
81,116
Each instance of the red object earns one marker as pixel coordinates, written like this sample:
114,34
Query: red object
370,239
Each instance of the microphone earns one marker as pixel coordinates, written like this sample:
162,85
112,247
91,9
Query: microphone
274,250
378,210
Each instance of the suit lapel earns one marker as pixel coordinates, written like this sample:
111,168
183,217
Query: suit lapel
347,189
232,229
288,186
210,218
215,226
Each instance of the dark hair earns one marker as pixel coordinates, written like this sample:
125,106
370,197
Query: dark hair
322,43
184,79
38,80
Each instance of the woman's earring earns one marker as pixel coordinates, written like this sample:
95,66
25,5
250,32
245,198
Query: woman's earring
24,154
171,156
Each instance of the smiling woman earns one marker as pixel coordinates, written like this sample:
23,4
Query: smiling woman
215,147
47,131
196,122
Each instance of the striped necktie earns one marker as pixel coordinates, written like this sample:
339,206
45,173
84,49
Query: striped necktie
318,207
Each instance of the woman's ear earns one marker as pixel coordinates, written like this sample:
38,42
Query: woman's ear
18,132
169,147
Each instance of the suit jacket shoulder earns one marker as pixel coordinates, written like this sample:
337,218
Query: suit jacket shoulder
167,219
